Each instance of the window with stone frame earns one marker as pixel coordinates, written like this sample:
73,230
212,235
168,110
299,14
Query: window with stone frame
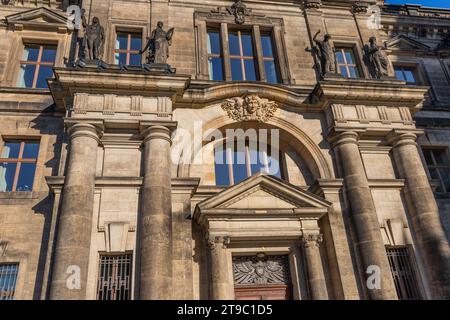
36,65
347,62
127,46
249,51
438,164
8,279
407,74
18,159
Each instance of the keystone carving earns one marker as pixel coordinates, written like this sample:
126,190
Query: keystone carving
250,108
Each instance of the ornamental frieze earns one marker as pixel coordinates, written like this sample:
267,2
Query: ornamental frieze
261,269
250,108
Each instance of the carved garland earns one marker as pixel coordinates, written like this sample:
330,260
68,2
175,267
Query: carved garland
250,108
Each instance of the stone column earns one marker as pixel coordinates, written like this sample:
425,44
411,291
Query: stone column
423,213
368,242
156,216
74,228
220,285
316,278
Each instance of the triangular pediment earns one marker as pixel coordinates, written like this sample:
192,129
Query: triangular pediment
41,17
402,42
263,192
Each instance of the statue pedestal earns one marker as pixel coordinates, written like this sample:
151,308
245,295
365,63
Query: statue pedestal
159,67
332,75
86,63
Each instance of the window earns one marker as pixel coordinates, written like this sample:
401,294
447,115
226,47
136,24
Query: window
405,74
114,277
127,48
18,165
242,56
215,60
346,62
438,164
270,66
36,66
244,59
8,278
234,164
403,272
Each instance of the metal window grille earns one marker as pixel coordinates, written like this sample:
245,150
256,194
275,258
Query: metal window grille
404,273
114,279
8,277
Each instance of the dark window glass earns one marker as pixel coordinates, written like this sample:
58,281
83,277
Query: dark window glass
244,163
233,39
242,59
346,61
266,42
215,61
236,70
36,66
405,74
250,70
8,278
247,45
438,164
18,166
127,48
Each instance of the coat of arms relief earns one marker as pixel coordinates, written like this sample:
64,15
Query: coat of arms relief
250,108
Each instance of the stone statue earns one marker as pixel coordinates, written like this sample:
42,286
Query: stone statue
93,40
378,61
325,53
158,45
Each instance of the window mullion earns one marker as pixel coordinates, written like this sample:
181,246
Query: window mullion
259,53
38,62
128,48
226,51
248,161
16,174
241,52
229,155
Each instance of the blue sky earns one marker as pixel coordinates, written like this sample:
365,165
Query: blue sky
425,3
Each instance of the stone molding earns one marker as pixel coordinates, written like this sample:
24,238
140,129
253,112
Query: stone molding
84,129
400,138
157,132
214,241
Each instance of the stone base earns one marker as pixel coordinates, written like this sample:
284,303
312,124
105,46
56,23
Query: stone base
159,67
331,75
89,63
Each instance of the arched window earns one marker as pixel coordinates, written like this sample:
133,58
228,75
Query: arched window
235,162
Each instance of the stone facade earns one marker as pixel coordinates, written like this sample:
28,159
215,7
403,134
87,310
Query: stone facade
110,179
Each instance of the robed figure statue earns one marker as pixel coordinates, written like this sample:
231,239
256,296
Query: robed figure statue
158,45
325,54
378,61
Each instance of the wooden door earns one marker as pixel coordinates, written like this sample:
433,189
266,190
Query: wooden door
275,292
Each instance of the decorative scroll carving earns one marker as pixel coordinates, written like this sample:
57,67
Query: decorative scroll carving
3,247
261,269
309,240
218,240
312,4
239,10
360,7
250,108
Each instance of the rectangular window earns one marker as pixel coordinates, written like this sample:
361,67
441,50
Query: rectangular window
8,278
269,59
245,61
215,59
242,57
114,277
126,51
36,66
438,164
405,74
18,165
404,272
346,62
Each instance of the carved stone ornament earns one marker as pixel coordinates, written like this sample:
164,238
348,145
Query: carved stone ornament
3,248
261,270
250,108
224,241
239,10
313,4
312,240
6,2
360,7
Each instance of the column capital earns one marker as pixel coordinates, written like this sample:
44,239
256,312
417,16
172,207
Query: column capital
157,130
397,138
310,239
91,129
360,7
312,4
343,137
213,241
